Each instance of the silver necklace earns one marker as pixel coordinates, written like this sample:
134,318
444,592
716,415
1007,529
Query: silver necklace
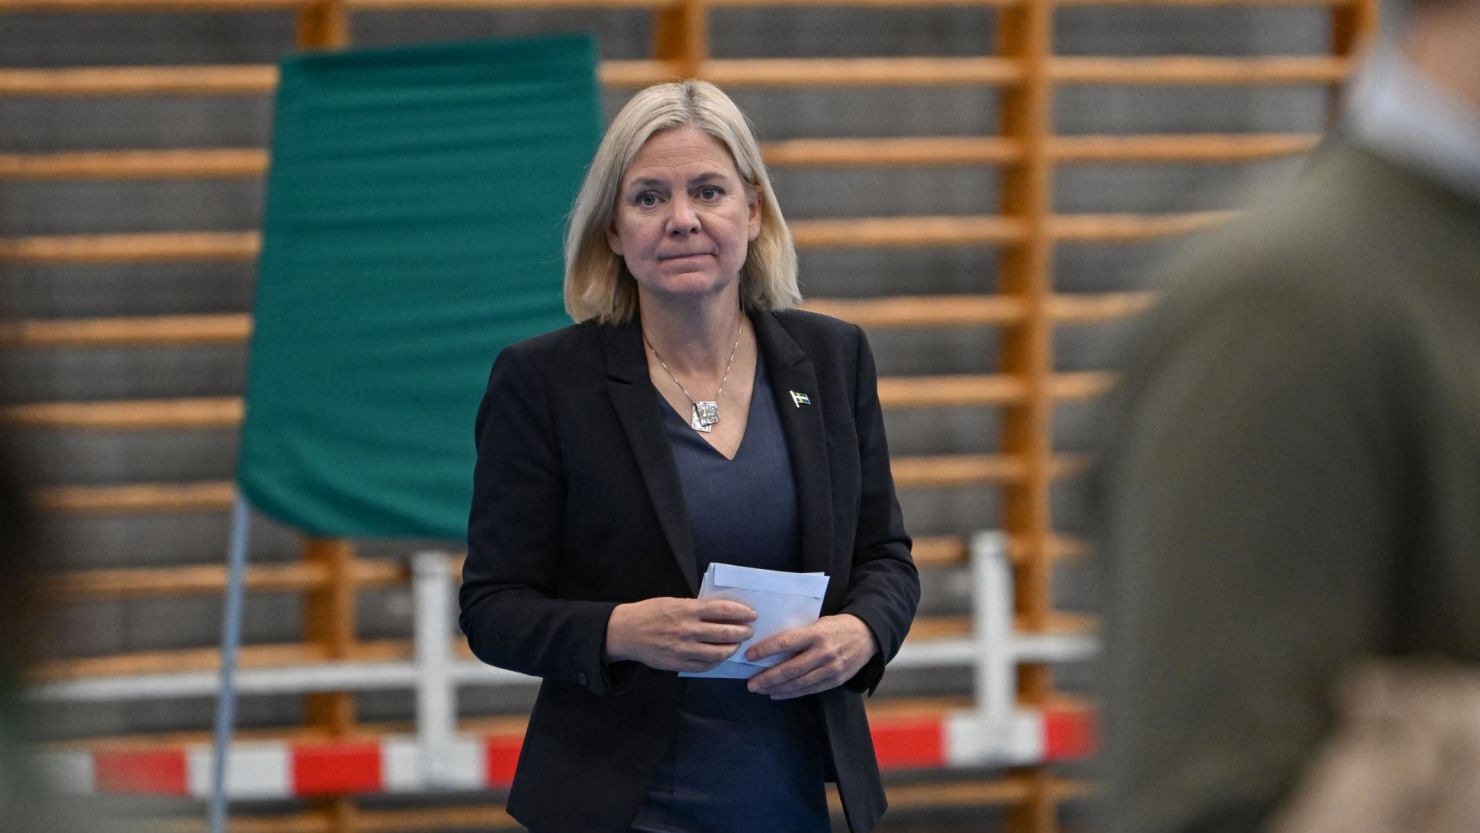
705,413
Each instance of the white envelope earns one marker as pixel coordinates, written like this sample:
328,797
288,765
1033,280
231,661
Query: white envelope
781,601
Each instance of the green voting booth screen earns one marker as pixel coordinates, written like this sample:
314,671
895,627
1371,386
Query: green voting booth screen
415,213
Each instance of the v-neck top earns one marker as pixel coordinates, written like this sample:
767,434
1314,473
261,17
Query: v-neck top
758,481
740,762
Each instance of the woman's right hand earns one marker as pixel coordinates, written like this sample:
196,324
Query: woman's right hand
677,634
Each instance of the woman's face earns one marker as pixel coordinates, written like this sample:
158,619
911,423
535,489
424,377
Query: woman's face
684,218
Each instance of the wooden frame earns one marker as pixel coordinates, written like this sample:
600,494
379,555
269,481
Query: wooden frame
1027,310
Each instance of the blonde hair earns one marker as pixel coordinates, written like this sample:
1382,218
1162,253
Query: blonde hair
597,283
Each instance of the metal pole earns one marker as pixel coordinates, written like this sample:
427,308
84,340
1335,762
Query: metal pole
231,637
436,693
991,612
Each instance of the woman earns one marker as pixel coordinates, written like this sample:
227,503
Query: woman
691,416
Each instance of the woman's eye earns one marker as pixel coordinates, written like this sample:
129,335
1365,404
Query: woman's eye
710,192
646,200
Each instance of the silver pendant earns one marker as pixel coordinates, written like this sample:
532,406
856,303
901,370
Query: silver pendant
706,414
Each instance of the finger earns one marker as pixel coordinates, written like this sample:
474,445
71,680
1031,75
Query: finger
731,635
723,610
785,642
819,678
778,676
816,688
709,654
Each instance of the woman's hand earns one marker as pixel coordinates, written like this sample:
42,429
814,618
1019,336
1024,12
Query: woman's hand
677,634
828,653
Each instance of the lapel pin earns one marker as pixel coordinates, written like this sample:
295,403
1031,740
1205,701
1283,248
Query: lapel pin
800,399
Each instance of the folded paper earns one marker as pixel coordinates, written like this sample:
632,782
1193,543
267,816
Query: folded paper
782,601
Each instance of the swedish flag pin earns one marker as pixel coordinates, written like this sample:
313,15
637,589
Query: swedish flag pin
800,399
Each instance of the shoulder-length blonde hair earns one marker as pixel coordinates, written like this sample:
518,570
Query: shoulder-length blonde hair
597,283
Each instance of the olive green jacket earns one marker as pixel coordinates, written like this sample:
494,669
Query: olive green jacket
1290,481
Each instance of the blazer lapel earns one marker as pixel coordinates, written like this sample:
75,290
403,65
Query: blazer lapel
632,394
794,383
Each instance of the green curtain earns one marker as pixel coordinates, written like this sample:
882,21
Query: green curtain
415,212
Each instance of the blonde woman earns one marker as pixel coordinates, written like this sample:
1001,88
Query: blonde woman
690,416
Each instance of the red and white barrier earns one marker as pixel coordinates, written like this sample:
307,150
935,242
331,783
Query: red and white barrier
397,764
995,732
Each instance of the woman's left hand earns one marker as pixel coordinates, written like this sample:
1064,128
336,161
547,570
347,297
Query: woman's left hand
828,653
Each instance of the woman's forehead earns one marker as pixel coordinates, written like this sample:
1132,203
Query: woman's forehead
686,151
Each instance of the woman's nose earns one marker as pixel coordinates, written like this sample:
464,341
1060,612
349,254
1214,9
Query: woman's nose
684,219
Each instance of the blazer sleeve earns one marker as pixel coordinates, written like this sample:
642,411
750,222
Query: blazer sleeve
885,587
511,611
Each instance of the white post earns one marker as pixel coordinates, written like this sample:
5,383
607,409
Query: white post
436,693
991,613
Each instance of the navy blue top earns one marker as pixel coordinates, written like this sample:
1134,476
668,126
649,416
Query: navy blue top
741,762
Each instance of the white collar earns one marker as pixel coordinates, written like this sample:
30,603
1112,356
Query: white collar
1396,110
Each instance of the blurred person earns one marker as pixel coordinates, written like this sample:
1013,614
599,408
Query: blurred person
28,803
691,416
1291,477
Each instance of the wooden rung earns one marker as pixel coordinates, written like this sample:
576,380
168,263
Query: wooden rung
956,470
135,164
1056,548
774,72
203,659
1060,622
1094,308
862,232
150,5
969,469
923,310
885,4
132,248
299,822
1228,147
938,391
928,628
171,80
907,311
189,580
1013,789
1194,3
953,551
1179,69
939,551
993,389
112,332
860,72
208,496
453,5
628,74
1121,228
882,313
907,232
225,412
1080,385
199,579
951,150
996,150
233,80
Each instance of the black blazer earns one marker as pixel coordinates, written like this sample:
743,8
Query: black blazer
577,507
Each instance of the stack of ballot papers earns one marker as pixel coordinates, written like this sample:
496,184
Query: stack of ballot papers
781,601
